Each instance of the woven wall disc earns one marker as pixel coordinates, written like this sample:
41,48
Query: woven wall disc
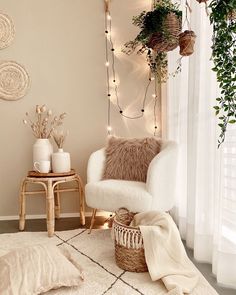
14,80
7,30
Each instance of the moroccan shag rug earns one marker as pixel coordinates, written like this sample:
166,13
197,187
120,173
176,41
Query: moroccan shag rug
95,253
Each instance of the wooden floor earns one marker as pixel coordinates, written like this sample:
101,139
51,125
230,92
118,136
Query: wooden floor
12,226
101,222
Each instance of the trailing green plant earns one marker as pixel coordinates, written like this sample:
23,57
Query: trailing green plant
157,29
222,16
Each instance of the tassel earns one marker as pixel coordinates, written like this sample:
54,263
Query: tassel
133,240
136,242
125,236
128,240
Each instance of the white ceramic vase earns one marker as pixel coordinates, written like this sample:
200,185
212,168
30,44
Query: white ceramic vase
61,162
42,150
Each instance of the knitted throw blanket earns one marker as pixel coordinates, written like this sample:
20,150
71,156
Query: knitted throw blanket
164,252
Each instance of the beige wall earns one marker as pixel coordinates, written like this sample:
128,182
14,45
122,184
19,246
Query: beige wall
61,44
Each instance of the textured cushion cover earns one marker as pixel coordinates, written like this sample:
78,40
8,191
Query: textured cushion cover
110,195
36,269
128,159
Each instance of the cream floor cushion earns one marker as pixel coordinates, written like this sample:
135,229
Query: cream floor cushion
111,194
35,270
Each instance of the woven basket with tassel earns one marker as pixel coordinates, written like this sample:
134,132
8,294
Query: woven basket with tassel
186,42
129,250
161,42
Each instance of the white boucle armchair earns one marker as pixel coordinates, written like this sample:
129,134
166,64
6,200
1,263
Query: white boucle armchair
158,193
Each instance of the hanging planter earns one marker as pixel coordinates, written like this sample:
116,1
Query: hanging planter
232,15
159,34
186,42
167,39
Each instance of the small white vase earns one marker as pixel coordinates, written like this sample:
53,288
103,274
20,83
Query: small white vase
42,150
61,162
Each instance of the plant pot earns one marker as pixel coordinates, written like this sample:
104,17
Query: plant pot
168,39
186,42
42,150
232,15
61,162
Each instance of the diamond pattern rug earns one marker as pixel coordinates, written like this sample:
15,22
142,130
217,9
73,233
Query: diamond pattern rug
95,253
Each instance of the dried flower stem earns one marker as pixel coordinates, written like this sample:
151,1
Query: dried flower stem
59,138
43,126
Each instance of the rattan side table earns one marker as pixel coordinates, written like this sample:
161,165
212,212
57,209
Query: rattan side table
51,187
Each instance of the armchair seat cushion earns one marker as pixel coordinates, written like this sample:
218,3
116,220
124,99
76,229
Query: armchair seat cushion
110,195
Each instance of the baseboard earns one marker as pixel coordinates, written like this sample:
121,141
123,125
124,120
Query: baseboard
42,216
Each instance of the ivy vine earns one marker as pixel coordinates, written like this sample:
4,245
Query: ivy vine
223,18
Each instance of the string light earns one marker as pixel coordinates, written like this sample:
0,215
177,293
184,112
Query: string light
109,43
107,71
155,111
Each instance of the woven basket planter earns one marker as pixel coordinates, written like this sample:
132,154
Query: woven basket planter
232,15
129,250
161,42
186,43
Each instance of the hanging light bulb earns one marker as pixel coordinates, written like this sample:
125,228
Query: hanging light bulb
107,63
109,128
152,78
108,17
154,95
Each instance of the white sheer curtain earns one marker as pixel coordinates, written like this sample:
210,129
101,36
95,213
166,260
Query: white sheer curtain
206,186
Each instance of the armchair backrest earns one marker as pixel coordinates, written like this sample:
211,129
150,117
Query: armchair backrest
97,161
96,165
161,176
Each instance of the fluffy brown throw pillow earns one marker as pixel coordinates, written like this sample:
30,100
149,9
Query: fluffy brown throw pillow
128,159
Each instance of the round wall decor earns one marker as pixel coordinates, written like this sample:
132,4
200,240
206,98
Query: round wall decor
14,80
7,30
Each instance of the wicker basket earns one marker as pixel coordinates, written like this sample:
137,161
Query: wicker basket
160,42
129,250
186,43
232,15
